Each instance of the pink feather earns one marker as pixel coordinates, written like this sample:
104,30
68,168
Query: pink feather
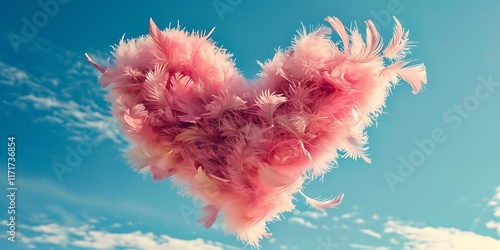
210,216
97,66
244,148
396,49
322,205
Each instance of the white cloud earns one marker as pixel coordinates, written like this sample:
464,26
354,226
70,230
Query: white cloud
16,103
376,217
15,77
493,225
64,99
348,215
495,203
311,214
45,103
303,222
440,238
394,241
88,238
359,221
49,119
93,220
76,117
371,233
365,247
11,75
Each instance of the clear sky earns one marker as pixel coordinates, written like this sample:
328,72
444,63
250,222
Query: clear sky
434,181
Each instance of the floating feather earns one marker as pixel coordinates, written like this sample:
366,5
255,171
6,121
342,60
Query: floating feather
242,148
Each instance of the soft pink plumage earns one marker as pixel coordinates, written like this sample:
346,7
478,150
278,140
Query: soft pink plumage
245,148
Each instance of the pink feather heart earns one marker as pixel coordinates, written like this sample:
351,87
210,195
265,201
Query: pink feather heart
244,148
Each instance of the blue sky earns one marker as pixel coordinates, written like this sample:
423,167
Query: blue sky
449,198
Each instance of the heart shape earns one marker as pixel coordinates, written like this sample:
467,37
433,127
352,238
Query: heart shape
241,147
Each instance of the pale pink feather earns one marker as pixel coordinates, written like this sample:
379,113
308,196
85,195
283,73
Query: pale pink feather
324,204
339,27
244,148
397,47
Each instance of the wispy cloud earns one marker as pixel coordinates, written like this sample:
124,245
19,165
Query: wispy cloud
63,92
371,233
388,233
495,204
302,222
366,247
359,221
116,225
74,116
492,203
311,214
348,215
49,119
440,237
394,241
11,75
88,237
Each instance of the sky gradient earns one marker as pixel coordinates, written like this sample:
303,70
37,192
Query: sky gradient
434,180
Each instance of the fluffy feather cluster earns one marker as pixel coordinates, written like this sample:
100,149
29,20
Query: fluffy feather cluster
244,148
